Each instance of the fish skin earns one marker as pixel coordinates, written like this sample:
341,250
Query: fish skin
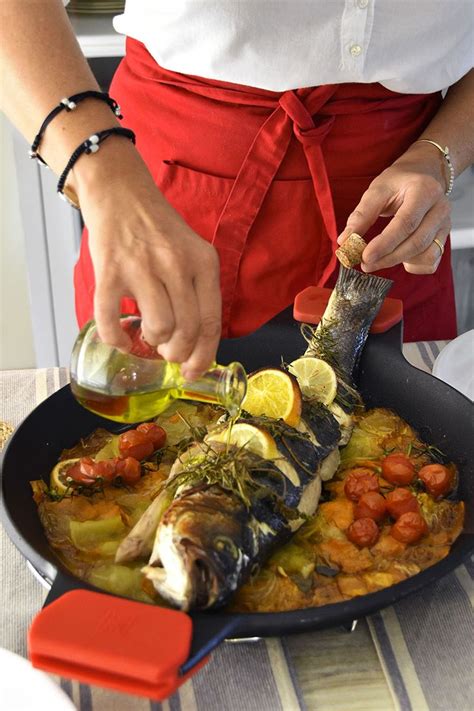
323,424
213,575
351,309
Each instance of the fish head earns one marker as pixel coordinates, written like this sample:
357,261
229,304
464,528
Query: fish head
202,549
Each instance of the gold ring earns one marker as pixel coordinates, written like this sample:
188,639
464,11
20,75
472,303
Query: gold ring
440,245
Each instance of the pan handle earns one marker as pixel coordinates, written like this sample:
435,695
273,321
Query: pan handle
129,646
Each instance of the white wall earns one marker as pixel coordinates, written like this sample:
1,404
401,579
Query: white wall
16,338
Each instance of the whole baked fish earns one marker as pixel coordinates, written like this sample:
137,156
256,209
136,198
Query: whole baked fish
224,508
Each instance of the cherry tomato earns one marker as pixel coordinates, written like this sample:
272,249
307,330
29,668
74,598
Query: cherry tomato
76,474
129,469
90,471
360,481
154,432
409,528
363,532
105,469
398,469
437,479
135,444
400,501
371,505
87,467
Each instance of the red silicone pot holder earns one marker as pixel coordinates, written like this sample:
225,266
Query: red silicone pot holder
311,303
112,642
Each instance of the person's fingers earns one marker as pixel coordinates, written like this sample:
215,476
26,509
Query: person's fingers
416,243
428,261
208,294
158,320
372,204
407,219
183,300
107,296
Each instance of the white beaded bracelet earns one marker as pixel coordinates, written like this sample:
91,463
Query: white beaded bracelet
447,158
69,104
90,145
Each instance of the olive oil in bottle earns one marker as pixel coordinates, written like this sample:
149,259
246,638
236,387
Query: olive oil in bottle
137,385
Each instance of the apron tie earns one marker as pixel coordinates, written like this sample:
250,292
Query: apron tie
257,172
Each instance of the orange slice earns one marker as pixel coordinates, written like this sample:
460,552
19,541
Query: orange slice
274,393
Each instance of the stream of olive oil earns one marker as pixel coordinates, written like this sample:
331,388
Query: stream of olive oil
232,420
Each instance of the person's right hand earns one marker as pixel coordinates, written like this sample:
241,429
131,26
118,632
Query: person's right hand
142,248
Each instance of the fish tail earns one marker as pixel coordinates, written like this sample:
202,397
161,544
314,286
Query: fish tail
352,307
370,285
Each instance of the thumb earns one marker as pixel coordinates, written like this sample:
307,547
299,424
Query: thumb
372,204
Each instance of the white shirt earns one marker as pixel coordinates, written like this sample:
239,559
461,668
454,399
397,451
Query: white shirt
409,46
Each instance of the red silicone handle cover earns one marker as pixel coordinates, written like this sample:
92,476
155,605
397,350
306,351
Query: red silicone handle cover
311,303
109,641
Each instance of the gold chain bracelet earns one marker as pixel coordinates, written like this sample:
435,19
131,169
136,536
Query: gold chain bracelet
447,158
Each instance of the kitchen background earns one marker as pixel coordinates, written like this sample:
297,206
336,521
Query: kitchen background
40,234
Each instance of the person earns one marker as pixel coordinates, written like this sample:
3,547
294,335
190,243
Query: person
266,132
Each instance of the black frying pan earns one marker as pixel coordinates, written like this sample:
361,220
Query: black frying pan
442,416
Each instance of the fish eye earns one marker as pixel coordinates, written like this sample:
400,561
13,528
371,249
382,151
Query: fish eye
222,543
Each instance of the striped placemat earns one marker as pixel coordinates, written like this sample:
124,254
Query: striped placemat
424,643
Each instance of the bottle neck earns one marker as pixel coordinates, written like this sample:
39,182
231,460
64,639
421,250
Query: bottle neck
225,386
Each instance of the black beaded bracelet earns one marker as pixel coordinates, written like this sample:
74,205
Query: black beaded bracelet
69,104
90,145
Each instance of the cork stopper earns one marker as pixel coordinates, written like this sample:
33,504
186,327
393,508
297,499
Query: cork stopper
350,254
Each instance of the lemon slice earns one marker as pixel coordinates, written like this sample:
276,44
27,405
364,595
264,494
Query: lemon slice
58,475
274,393
259,441
316,379
252,438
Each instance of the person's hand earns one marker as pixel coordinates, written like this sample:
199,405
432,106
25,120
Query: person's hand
141,248
412,190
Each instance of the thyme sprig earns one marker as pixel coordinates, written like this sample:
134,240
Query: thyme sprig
277,428
75,490
436,454
321,341
231,469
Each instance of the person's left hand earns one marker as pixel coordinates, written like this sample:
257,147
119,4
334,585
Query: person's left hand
412,190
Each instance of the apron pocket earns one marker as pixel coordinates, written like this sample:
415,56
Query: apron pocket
198,197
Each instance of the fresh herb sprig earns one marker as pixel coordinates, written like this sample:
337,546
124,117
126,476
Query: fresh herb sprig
231,469
277,428
321,341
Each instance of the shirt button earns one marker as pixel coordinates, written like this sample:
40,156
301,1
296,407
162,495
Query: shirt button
356,50
362,4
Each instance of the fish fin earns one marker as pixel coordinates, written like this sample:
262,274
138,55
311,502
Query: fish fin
139,541
360,282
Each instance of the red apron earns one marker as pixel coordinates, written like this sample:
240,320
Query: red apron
270,178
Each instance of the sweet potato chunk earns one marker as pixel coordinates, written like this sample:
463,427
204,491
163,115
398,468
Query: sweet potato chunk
351,585
340,512
388,547
345,555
